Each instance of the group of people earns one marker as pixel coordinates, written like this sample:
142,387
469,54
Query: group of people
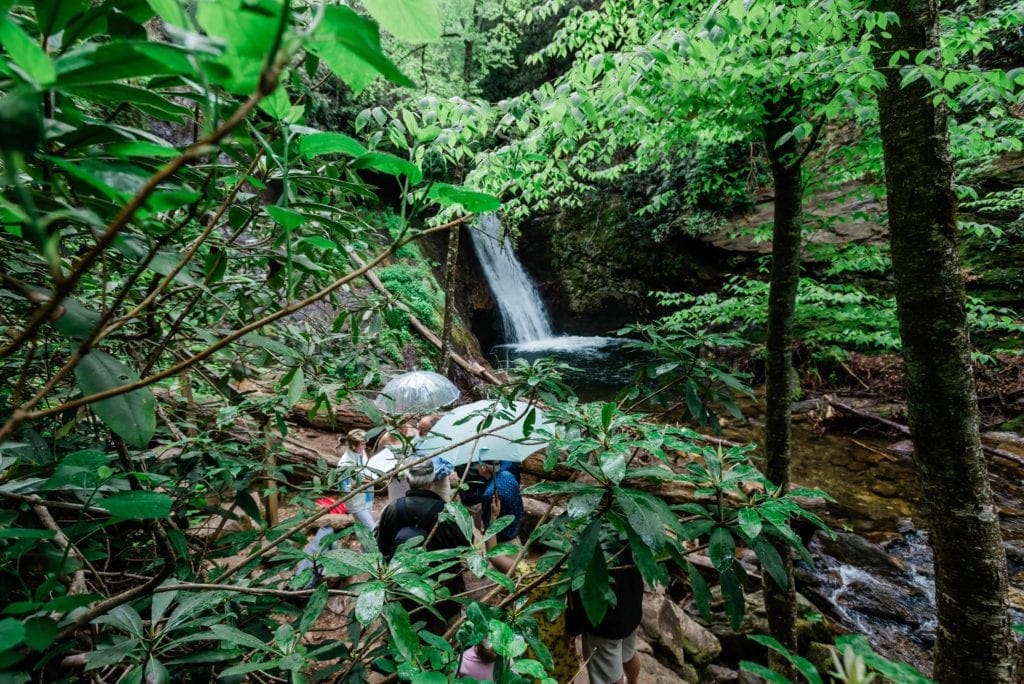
489,489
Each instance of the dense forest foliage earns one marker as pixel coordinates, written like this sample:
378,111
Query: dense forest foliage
225,221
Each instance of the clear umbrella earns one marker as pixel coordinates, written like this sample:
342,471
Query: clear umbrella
505,439
415,392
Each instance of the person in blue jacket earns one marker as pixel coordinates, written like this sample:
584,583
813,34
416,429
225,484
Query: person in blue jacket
500,497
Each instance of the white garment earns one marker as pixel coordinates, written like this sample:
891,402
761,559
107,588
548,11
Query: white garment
354,462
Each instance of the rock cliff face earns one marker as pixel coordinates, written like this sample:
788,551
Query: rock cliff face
596,266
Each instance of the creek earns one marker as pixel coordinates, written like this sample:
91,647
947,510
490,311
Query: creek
875,577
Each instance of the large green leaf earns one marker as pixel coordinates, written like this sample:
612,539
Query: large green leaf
402,636
26,53
131,415
414,21
96,63
314,607
137,505
721,548
584,548
370,602
315,144
750,521
596,592
53,15
389,164
12,633
350,46
170,11
248,27
143,99
646,514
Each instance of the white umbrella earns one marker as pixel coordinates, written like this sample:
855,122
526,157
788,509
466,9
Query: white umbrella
416,391
504,439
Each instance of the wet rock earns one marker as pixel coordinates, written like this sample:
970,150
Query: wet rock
718,674
878,598
855,550
675,633
904,447
653,672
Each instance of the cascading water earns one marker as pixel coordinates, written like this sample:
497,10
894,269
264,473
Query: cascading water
600,367
522,310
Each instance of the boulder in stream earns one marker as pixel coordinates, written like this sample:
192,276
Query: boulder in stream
668,628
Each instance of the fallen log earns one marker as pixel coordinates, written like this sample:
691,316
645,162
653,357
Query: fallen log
904,430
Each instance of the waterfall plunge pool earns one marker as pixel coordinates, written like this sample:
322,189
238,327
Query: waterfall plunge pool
600,366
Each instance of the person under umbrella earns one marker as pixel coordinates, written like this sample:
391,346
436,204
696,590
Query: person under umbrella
501,497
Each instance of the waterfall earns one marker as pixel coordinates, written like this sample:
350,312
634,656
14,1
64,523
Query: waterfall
522,311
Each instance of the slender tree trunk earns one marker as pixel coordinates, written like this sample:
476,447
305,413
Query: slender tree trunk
970,565
449,299
780,602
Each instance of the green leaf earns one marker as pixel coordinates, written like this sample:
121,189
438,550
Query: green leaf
146,101
370,602
237,637
12,633
26,53
585,547
429,678
732,592
770,560
766,673
651,570
607,413
104,63
74,320
131,415
504,639
402,636
596,592
701,593
389,164
248,27
170,11
350,46
156,672
316,144
646,514
804,666
414,21
289,218
750,521
721,548
613,465
40,633
314,607
53,15
472,201
137,505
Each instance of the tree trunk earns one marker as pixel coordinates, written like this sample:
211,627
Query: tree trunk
970,566
780,602
449,300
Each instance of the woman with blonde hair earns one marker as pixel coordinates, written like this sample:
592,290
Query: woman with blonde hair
352,464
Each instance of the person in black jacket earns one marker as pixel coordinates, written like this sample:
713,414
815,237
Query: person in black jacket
416,514
609,648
